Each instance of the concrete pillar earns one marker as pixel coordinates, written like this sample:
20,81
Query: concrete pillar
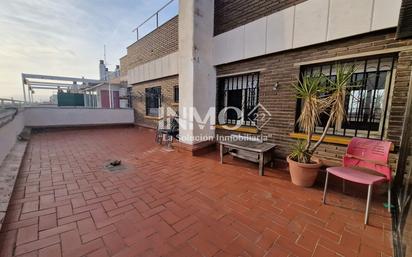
197,75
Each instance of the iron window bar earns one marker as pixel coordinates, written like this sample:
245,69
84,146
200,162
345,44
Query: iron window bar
242,92
366,103
153,100
176,94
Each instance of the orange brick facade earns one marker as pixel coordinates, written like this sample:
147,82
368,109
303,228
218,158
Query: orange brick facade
231,14
156,44
275,68
139,105
281,68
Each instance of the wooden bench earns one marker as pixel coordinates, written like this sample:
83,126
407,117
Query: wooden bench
254,151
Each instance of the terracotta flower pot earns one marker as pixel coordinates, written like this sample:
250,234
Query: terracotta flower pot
304,174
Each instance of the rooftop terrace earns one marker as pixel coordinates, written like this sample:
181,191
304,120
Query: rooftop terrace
167,203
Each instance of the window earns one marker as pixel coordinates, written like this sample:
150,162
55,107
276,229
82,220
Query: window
240,92
153,100
176,94
366,102
129,97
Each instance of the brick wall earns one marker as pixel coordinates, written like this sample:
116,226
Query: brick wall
124,66
280,68
158,43
230,14
138,102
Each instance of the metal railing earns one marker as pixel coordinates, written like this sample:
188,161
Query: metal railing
154,16
9,109
6,102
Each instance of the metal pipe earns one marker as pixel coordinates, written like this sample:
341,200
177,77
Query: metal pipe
24,89
368,201
39,83
47,77
326,188
29,93
48,87
155,14
110,96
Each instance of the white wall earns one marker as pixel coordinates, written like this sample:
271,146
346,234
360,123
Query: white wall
159,68
49,116
105,87
8,134
197,75
310,22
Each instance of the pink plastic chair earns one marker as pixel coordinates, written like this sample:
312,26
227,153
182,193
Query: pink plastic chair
364,155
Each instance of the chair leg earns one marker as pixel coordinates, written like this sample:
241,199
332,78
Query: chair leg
169,141
368,201
343,186
389,196
326,186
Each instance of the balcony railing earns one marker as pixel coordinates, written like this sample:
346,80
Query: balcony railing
164,14
6,102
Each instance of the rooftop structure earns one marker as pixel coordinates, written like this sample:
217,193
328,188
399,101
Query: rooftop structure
220,69
246,54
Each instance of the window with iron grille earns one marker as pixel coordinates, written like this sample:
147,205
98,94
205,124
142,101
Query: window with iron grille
129,97
238,92
367,100
153,100
176,94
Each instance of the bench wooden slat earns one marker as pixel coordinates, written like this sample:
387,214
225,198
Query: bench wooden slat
262,149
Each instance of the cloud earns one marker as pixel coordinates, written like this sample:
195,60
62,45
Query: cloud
64,37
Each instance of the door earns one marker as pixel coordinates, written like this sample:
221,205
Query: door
116,99
104,98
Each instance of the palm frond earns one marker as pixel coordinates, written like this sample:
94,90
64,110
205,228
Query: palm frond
339,89
299,152
308,89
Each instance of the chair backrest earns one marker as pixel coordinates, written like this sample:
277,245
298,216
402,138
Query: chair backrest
369,154
174,124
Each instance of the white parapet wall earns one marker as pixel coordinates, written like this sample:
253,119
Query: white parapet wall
8,134
159,68
68,117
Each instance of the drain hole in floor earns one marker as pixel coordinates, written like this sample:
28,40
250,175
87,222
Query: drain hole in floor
114,165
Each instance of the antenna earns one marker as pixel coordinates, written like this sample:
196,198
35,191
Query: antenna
107,78
104,52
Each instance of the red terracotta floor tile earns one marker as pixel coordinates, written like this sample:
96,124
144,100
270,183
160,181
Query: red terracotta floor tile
167,203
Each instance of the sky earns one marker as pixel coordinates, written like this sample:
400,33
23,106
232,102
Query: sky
67,37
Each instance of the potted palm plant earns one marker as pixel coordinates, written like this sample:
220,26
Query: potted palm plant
320,95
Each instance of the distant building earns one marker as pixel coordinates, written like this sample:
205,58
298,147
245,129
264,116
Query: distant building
105,74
